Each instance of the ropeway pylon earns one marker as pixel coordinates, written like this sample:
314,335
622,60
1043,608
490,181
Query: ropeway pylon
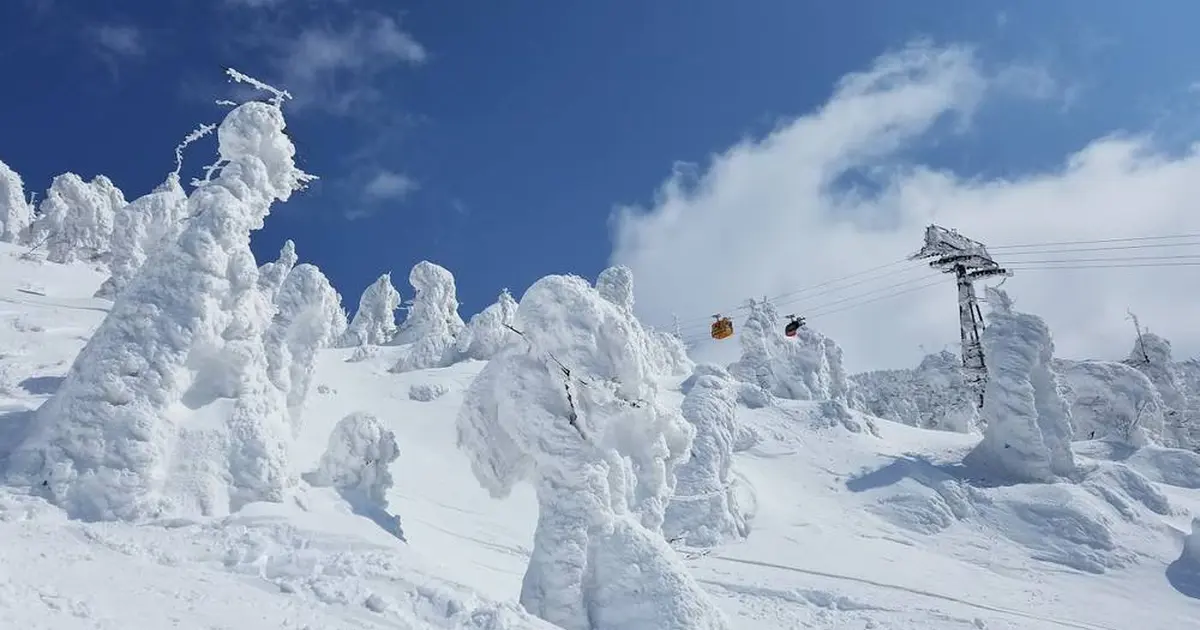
968,260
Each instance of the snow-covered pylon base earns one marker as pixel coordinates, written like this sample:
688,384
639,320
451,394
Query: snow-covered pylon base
169,409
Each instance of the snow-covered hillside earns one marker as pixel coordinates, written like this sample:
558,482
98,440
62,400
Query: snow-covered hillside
215,444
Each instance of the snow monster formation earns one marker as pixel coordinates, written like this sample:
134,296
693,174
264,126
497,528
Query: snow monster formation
186,334
1028,435
571,410
808,367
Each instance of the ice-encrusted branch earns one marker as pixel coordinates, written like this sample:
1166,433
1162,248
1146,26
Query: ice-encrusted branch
278,95
196,134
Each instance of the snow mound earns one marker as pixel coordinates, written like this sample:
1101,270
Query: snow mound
704,511
426,392
374,322
572,411
1098,525
16,214
356,464
168,408
433,324
1028,435
805,367
140,228
934,395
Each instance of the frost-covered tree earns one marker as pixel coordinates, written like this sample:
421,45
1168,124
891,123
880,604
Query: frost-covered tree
1028,435
487,332
934,395
1112,401
1151,355
272,274
308,317
16,214
704,511
75,219
668,353
805,367
355,463
572,411
139,228
374,322
433,325
115,441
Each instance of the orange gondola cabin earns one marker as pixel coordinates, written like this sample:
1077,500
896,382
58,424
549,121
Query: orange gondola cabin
722,328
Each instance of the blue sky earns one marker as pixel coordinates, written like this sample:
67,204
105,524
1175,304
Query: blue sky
497,138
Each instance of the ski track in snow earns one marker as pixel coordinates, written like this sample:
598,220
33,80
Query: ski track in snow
312,563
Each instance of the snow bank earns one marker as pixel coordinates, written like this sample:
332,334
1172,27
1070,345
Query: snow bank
139,229
356,462
16,214
572,411
486,333
1111,401
805,367
1028,435
374,322
168,408
308,317
932,396
75,219
433,324
704,511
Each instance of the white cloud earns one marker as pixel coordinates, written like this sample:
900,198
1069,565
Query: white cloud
387,185
380,190
333,68
122,40
772,216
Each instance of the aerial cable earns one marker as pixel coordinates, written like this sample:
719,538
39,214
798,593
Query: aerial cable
1094,241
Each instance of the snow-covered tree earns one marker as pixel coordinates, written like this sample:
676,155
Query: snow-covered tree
805,367
1151,355
75,219
668,353
16,214
355,463
934,395
115,441
374,322
572,410
139,228
1111,401
433,325
272,274
704,511
308,317
1028,435
486,333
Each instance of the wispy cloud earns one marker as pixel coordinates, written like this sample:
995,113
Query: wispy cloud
774,210
379,191
121,40
335,68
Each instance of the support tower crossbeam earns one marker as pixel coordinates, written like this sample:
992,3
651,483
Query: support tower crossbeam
968,260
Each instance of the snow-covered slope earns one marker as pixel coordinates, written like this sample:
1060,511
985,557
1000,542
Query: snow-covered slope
852,521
